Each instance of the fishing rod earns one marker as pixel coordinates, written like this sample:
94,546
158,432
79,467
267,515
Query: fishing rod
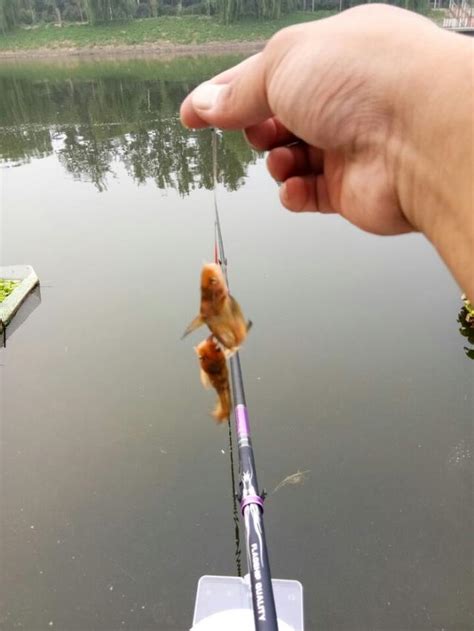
251,501
236,603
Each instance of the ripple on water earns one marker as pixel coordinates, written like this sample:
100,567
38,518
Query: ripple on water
460,455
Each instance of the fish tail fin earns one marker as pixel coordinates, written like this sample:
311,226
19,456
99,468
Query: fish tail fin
195,324
205,381
222,410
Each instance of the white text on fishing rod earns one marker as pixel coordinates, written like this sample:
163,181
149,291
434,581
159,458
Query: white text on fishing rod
258,585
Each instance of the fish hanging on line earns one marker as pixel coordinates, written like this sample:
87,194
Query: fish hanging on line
214,372
219,310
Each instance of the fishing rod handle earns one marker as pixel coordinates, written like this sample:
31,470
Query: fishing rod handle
264,610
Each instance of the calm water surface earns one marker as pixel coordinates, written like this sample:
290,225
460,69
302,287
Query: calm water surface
115,491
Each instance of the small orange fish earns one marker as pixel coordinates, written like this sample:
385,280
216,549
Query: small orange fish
219,310
214,373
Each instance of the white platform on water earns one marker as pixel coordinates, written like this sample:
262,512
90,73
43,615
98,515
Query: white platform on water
28,281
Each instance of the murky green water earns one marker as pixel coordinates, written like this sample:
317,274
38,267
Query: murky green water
115,481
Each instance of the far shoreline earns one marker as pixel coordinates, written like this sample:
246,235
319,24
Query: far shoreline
149,49
152,37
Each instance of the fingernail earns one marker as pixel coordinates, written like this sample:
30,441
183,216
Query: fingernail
205,95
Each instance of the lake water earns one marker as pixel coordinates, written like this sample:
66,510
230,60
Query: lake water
115,493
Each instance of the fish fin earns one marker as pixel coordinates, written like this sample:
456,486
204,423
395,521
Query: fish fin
195,324
249,325
222,410
223,338
206,382
235,307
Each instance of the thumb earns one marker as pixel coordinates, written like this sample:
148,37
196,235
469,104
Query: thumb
234,99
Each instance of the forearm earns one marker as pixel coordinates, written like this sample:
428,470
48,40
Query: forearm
437,188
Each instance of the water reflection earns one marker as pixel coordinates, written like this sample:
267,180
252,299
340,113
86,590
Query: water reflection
96,120
115,484
31,303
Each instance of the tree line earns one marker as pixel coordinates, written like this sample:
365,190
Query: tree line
15,13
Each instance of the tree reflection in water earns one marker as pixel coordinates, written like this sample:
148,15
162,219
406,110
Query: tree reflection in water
96,117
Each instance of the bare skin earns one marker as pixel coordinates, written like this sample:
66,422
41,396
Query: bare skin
368,114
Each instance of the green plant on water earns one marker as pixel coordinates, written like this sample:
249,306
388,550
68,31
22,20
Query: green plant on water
6,287
466,320
469,308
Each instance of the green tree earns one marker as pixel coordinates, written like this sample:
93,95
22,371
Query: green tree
9,15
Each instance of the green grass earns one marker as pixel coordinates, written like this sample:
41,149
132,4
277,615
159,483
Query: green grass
437,15
6,287
164,30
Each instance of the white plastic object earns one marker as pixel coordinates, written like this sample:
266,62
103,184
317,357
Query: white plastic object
225,602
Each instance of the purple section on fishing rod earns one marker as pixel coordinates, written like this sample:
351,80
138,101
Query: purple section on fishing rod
251,499
242,420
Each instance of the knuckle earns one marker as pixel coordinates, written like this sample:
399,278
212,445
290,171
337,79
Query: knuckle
281,40
278,54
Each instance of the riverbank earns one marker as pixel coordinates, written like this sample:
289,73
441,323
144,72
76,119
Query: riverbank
161,50
163,36
159,36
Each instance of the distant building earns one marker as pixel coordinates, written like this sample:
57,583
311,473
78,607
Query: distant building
459,16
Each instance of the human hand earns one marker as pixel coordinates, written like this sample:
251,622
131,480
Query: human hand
356,118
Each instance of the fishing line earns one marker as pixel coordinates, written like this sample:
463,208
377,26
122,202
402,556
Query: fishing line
251,501
220,243
219,258
238,551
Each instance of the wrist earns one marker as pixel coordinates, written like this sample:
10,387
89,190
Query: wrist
435,180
